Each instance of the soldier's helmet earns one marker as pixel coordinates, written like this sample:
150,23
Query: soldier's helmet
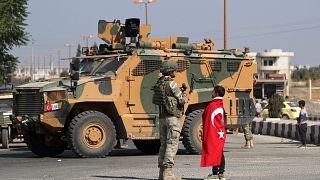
168,66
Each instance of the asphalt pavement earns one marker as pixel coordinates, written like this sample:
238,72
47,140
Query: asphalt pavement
271,158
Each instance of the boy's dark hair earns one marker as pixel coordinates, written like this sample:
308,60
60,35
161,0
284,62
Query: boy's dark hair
219,90
302,102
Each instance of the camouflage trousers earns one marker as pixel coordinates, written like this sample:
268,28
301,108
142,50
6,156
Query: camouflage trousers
247,132
169,138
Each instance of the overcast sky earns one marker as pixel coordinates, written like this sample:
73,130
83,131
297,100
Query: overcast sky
291,25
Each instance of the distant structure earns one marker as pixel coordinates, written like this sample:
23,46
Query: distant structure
274,73
38,74
303,66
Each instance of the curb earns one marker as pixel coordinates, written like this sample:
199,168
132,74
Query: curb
286,129
314,118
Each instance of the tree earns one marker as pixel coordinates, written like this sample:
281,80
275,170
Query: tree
78,51
275,106
13,14
64,73
305,74
6,67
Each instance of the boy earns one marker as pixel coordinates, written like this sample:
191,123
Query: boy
214,135
302,124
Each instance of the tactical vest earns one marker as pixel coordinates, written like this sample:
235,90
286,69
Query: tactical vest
160,91
163,96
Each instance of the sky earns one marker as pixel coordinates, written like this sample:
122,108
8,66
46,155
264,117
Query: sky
291,25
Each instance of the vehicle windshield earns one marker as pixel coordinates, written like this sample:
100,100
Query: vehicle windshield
102,66
293,104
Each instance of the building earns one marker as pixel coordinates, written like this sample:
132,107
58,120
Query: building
274,73
39,73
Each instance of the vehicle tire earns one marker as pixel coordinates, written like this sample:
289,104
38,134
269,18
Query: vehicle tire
5,138
148,146
38,145
192,132
285,117
91,134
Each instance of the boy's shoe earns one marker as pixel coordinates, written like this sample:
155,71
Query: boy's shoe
300,146
303,147
221,177
212,177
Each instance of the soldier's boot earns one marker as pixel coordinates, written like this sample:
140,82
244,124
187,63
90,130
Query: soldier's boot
168,175
247,145
251,143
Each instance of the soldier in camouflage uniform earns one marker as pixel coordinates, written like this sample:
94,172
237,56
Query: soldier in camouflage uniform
170,99
247,136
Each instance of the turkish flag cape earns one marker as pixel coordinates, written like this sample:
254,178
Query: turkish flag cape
214,134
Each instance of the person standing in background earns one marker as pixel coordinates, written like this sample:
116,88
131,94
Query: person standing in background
302,124
258,108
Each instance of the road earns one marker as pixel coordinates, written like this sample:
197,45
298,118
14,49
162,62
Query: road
271,158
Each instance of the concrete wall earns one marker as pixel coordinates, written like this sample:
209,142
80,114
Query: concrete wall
286,129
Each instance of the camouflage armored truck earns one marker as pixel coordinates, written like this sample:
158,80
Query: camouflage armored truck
109,93
8,133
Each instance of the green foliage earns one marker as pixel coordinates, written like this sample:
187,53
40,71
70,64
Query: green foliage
305,74
7,67
275,106
64,73
78,51
13,14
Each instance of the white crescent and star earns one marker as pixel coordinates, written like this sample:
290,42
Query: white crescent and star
221,133
214,113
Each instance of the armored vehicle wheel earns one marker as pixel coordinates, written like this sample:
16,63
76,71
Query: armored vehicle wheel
148,146
192,132
5,138
91,134
38,144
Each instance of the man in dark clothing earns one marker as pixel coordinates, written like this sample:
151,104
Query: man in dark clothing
302,124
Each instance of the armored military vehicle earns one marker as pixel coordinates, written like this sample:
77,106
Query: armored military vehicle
8,133
109,93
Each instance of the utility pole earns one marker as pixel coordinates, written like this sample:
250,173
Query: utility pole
59,65
32,60
225,25
44,67
69,46
145,2
50,66
38,71
30,67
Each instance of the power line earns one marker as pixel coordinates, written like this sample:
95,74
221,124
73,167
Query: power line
276,32
231,30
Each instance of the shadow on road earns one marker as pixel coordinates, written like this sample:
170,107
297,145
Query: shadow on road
24,152
121,177
128,177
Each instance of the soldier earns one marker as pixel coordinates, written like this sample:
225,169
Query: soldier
247,136
170,99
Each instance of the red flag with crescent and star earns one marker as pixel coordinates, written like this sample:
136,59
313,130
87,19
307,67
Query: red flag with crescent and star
214,134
